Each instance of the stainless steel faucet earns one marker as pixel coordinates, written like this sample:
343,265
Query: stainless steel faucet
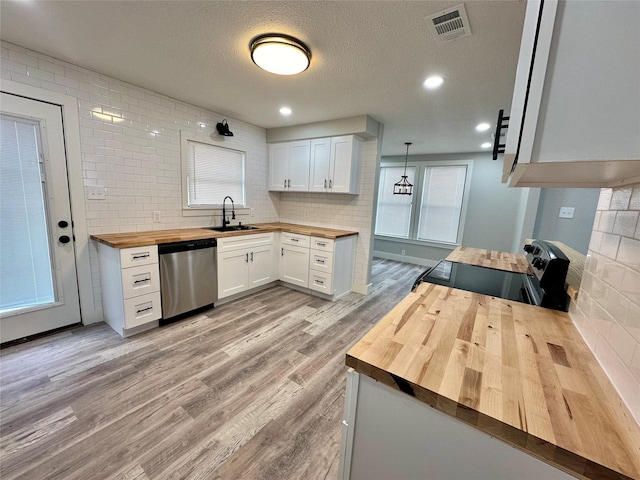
226,222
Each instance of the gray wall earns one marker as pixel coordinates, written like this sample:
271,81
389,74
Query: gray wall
574,232
491,213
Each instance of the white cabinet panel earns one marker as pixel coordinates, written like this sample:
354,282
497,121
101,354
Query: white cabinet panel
140,280
320,165
233,272
289,166
321,261
321,282
294,265
325,244
245,262
142,309
295,239
345,164
130,257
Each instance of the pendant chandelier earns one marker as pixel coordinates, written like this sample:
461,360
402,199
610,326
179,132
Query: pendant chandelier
403,187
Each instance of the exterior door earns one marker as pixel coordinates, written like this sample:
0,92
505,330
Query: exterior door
38,283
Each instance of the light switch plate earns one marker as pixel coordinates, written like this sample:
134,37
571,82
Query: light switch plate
97,192
566,212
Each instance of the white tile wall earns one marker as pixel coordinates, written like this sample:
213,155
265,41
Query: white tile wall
140,170
608,310
342,211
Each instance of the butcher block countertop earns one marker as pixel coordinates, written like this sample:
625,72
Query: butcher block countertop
490,258
517,372
139,239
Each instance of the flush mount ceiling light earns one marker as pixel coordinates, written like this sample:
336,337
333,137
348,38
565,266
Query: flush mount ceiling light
286,111
486,144
223,129
433,82
280,54
483,127
403,187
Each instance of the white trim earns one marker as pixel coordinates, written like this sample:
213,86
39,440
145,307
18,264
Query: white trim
404,258
71,126
361,288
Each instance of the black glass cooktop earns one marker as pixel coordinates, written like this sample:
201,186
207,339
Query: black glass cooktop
487,281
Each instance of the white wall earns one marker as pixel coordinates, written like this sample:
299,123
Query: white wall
141,172
608,310
491,213
574,232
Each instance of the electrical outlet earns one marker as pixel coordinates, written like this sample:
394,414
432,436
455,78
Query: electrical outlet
157,217
97,192
253,212
404,252
566,212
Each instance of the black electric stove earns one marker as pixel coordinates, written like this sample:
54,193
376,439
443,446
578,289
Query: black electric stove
544,287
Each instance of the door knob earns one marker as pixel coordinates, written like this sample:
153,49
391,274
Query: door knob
64,239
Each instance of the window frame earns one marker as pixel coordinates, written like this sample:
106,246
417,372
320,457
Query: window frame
206,209
417,196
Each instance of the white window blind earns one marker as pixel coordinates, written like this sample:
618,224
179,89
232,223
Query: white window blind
213,173
394,211
441,203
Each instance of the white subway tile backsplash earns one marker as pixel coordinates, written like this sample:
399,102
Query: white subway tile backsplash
608,312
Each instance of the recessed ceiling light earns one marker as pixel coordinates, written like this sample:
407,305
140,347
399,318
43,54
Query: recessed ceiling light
483,127
433,81
486,145
285,111
280,54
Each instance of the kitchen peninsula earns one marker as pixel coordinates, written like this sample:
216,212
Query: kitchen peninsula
454,384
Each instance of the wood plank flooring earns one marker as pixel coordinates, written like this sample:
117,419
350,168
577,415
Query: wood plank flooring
251,389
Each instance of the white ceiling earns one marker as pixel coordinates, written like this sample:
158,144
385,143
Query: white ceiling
368,57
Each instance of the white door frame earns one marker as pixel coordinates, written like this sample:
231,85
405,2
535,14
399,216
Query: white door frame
71,127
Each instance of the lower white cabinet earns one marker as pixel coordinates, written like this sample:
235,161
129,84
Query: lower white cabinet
130,280
294,265
244,262
331,264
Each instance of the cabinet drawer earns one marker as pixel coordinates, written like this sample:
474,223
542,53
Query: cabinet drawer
319,243
140,280
295,239
244,242
142,309
321,282
321,261
131,257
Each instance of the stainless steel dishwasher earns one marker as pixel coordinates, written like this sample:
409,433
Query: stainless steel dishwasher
188,276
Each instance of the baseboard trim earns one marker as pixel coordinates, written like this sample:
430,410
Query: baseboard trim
404,258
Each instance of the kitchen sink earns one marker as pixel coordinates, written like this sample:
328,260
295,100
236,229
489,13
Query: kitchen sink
231,228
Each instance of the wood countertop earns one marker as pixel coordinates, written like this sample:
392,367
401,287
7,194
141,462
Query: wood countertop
517,372
512,262
154,237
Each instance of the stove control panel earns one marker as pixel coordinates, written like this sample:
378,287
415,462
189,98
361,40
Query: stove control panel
548,263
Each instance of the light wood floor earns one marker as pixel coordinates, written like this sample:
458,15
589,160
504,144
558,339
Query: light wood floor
251,389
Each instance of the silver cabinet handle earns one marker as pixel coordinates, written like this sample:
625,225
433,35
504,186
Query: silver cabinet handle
142,281
282,252
289,183
144,309
330,183
319,282
325,183
246,257
285,183
136,257
252,256
295,240
321,244
321,262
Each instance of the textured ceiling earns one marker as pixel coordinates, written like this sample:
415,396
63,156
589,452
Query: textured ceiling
369,57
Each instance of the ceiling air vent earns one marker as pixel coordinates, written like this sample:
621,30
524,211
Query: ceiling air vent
449,24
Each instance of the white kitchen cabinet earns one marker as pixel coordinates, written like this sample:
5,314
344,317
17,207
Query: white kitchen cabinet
294,259
389,434
244,262
331,264
335,164
289,166
130,281
575,116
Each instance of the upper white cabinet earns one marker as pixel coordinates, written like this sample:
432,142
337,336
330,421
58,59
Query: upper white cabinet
289,166
575,113
335,164
330,164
